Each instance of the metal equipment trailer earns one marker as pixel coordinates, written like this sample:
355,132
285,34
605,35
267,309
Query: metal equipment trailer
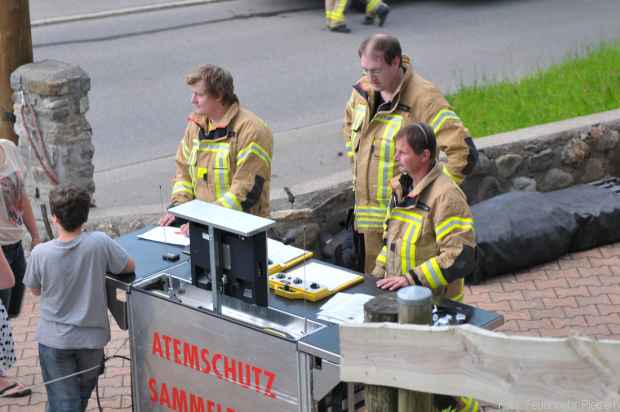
202,343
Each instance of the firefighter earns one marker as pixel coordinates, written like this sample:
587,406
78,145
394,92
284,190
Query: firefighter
225,154
429,231
389,96
334,15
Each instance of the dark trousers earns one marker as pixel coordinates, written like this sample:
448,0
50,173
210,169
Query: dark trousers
12,298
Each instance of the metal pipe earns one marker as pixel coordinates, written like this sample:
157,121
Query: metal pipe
215,289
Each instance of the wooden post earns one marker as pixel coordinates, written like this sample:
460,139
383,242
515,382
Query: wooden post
415,307
15,50
382,308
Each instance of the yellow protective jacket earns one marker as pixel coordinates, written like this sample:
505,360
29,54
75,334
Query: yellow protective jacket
370,140
230,165
429,234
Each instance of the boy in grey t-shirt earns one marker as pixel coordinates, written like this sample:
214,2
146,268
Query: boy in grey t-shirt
69,275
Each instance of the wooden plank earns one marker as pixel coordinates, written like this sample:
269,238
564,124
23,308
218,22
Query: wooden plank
523,373
15,50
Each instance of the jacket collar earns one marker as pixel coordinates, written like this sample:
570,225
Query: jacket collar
405,195
426,181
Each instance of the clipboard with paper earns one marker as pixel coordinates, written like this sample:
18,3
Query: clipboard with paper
283,257
313,281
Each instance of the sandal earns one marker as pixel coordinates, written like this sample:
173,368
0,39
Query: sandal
16,394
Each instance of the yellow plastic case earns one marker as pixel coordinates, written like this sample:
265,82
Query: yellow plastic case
282,284
281,267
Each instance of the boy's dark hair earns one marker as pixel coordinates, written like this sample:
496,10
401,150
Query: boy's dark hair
419,136
70,204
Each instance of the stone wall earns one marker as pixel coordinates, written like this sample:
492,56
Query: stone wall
50,103
547,157
543,158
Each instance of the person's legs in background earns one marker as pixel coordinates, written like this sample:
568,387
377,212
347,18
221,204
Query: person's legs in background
373,242
378,9
334,15
12,298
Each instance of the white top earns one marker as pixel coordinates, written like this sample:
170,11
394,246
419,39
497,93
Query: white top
11,192
229,220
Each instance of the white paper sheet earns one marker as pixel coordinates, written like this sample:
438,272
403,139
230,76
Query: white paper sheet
166,234
327,276
344,307
280,253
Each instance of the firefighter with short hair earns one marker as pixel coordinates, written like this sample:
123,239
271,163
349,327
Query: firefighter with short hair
225,154
391,95
429,230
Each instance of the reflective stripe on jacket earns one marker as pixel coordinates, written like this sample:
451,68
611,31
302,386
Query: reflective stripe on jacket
429,234
370,143
231,168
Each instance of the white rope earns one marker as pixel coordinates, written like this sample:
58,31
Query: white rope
61,378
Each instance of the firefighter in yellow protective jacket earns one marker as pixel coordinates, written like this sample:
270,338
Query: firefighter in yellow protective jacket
429,230
389,96
225,154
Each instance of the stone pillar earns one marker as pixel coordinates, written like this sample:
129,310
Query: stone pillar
50,102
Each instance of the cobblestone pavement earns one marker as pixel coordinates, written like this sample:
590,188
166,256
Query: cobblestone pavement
579,293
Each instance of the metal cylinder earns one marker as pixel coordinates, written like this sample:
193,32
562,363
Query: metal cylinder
415,305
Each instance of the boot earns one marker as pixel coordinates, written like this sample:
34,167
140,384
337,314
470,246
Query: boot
382,12
368,20
342,28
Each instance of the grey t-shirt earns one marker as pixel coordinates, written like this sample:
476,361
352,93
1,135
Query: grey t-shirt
71,276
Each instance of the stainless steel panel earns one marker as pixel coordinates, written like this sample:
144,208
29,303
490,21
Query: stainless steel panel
305,383
319,353
324,379
181,355
229,220
271,320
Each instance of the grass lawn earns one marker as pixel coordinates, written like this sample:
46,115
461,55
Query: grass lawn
576,87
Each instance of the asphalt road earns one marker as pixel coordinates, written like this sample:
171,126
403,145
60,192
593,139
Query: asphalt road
287,68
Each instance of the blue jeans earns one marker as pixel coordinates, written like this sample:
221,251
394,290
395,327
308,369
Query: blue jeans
72,394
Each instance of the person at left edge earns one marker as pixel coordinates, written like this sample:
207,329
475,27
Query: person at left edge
225,154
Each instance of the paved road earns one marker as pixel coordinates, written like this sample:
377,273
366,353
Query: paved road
287,68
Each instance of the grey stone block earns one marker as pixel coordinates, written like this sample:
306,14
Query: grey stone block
508,164
484,165
575,152
556,179
541,161
48,78
524,184
594,170
489,187
607,141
